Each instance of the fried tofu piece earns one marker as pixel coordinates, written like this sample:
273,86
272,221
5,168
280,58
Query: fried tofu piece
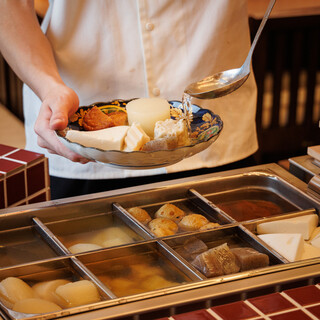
95,119
119,118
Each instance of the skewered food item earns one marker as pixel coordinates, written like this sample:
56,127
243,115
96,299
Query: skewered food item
162,227
140,214
170,211
77,293
13,289
95,119
193,222
217,261
147,111
46,289
35,305
249,258
210,225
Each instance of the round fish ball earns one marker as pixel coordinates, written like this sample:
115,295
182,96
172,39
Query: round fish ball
162,227
170,211
192,222
83,247
147,111
35,305
140,214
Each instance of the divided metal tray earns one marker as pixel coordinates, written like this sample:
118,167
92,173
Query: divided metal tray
35,239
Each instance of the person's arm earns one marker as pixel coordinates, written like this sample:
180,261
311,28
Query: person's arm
29,53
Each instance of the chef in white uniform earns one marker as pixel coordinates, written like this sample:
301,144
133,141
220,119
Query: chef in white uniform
89,51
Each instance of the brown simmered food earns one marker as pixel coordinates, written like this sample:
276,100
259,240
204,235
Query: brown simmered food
192,248
210,225
242,210
249,258
95,119
217,261
162,227
192,222
119,118
170,211
140,214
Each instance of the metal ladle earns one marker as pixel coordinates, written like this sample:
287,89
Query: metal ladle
225,82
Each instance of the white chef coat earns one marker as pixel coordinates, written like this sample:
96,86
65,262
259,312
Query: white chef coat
123,49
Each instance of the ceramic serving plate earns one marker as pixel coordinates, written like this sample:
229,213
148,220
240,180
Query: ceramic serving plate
204,124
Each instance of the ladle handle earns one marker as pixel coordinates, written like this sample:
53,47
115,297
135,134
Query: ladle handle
247,62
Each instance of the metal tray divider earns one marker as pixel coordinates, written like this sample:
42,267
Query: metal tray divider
137,226
208,206
87,274
49,237
177,260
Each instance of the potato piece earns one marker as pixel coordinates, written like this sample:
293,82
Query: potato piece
46,289
140,214
112,236
83,247
35,305
13,289
77,294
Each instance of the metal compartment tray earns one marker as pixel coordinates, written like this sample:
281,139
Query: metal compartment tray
56,225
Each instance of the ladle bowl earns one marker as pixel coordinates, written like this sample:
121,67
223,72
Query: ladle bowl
225,82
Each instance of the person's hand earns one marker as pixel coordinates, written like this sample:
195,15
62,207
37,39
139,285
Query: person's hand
57,106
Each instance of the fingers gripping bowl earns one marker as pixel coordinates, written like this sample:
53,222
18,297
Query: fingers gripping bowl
205,128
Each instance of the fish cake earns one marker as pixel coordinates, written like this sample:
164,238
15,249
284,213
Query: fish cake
170,211
95,119
249,258
140,214
192,222
162,227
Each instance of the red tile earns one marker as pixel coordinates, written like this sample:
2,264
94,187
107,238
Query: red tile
25,155
16,188
2,202
271,303
40,198
194,315
305,295
315,311
293,315
7,166
36,178
5,149
235,311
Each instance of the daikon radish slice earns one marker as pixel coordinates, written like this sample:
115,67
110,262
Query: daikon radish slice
35,305
77,293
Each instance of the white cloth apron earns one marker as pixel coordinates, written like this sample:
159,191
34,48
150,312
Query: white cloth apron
110,49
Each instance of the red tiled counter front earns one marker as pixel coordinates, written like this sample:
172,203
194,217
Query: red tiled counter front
24,177
294,304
